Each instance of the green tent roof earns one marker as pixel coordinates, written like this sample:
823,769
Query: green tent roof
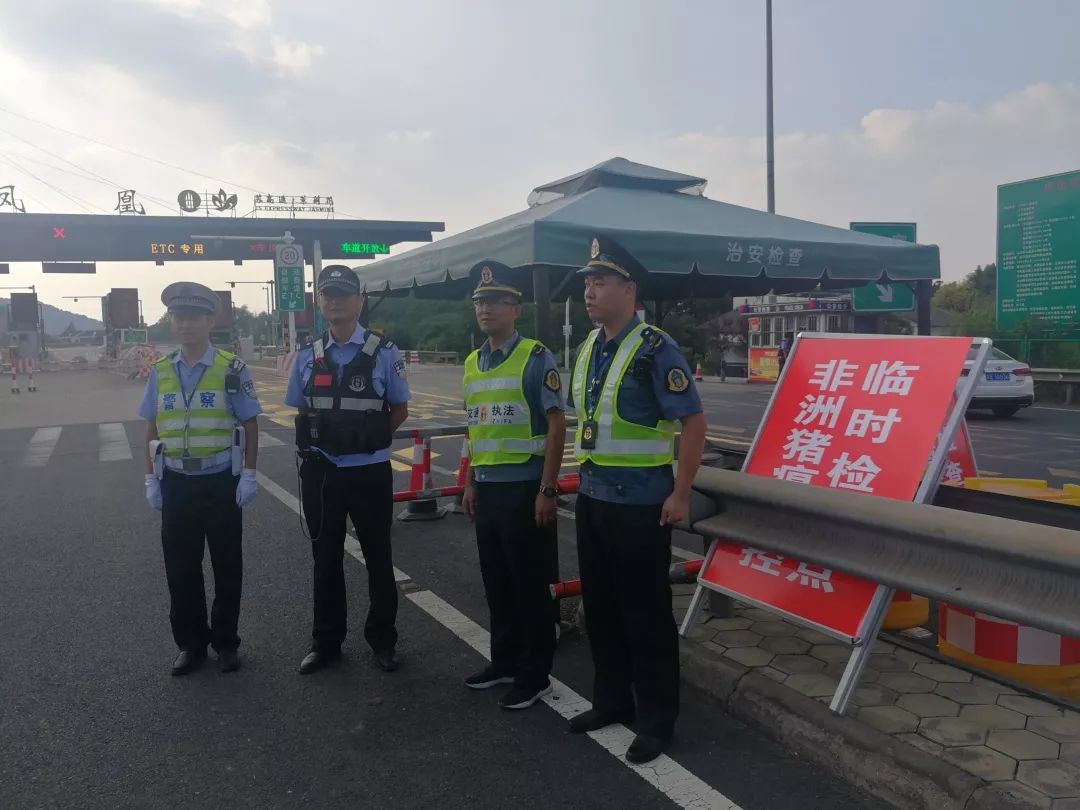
690,244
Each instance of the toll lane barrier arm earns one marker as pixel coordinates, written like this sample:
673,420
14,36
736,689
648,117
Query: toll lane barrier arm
1025,572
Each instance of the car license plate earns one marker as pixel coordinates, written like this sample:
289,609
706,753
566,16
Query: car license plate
997,376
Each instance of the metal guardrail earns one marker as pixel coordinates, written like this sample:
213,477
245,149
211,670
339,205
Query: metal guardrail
1069,377
1024,572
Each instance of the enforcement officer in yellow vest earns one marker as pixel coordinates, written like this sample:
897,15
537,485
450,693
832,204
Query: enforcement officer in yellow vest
202,442
630,386
517,426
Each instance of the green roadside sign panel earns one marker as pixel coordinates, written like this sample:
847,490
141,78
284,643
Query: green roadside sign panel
1038,251
135,336
897,297
289,278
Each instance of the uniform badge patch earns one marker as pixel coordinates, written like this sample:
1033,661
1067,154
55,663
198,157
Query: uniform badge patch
486,275
249,388
552,381
357,384
677,381
399,367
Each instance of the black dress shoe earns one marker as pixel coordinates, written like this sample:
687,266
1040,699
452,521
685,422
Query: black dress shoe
228,660
645,749
188,661
386,660
593,720
318,659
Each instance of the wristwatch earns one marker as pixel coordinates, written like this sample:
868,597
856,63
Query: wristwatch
548,491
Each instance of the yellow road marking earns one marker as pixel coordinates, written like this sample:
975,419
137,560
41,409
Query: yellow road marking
456,400
1059,473
988,473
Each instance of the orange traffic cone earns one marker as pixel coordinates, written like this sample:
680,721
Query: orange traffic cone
699,375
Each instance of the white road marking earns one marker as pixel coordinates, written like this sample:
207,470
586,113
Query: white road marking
665,774
42,444
113,442
268,440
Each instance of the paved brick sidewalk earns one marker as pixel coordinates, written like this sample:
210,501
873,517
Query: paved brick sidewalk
1027,748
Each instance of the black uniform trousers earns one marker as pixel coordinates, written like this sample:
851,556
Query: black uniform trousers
515,563
199,511
366,495
624,555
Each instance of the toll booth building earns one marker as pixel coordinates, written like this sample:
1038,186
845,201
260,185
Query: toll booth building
772,319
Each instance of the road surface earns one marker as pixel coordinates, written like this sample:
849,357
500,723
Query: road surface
91,718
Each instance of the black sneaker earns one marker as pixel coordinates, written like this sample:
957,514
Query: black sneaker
522,697
487,678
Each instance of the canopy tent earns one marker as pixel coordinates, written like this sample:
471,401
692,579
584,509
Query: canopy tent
692,246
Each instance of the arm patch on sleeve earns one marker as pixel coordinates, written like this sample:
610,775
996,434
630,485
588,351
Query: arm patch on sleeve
677,381
552,380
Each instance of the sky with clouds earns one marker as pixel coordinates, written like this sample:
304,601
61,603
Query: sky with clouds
454,111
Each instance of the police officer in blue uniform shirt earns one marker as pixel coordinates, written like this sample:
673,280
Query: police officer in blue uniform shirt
517,426
199,474
351,391
630,386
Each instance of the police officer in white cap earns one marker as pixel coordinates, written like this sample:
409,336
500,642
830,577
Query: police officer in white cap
202,440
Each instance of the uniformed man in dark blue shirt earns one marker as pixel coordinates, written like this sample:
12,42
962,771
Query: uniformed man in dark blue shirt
630,386
513,396
351,391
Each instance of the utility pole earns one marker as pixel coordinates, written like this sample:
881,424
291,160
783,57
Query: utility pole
769,161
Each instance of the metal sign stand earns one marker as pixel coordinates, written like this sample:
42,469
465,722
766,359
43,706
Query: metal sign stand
871,623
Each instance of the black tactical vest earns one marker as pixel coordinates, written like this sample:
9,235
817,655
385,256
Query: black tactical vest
345,415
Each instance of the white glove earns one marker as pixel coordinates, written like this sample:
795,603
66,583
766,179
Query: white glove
247,488
153,491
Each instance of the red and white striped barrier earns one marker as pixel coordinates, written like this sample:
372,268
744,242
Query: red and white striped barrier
906,611
26,366
680,572
1023,653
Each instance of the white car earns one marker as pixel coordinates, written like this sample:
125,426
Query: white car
1006,386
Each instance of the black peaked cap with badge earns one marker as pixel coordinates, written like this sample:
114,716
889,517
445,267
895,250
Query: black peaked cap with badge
495,279
606,256
187,296
340,279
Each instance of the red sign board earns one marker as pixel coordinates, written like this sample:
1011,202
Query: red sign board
808,592
860,415
764,365
850,414
960,459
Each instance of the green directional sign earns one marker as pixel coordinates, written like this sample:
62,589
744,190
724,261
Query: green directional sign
1038,251
134,336
289,278
896,297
